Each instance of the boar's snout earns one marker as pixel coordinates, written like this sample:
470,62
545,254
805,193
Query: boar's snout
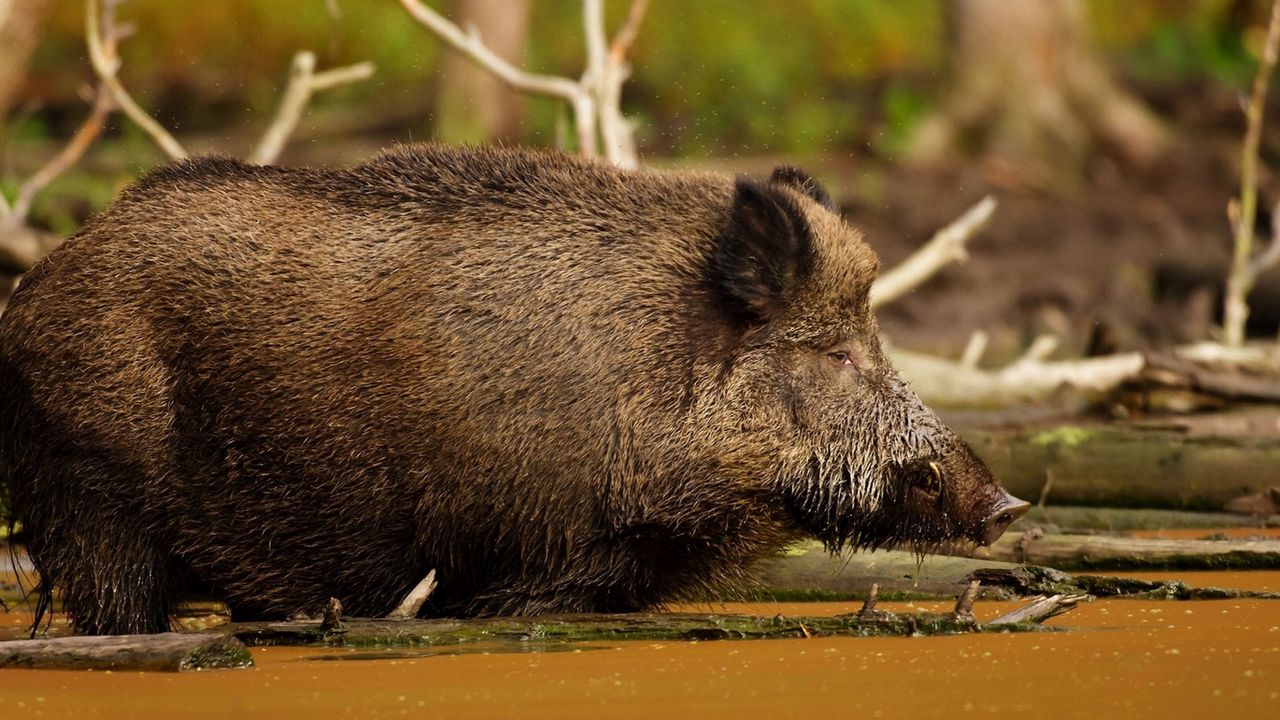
1008,508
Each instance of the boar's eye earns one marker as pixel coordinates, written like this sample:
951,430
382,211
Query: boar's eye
926,476
842,359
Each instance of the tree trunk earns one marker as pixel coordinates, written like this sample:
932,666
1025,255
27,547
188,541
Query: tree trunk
20,22
472,104
1031,94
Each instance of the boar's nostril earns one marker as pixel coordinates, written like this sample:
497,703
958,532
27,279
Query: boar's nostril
1009,509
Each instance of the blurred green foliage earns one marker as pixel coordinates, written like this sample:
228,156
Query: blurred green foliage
713,77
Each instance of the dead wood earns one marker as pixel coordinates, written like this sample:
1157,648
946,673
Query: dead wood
1040,610
172,652
1075,519
964,606
1113,552
332,618
1127,465
563,629
412,603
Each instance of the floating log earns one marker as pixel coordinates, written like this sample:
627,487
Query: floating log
172,652
1111,552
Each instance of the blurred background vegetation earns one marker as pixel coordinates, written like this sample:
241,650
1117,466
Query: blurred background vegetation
713,77
840,86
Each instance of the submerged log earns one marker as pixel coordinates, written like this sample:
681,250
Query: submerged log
565,629
173,652
1128,553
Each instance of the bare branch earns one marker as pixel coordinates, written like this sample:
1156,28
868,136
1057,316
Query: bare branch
1041,348
946,246
946,382
71,153
973,350
470,45
1271,257
607,71
594,33
1240,281
626,36
473,48
1041,609
303,81
106,67
344,75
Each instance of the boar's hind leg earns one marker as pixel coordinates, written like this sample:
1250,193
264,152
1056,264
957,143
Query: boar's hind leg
112,577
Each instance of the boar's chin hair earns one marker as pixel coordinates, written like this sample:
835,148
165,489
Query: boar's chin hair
833,496
850,504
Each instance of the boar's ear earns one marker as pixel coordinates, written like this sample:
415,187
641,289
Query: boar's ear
803,182
763,251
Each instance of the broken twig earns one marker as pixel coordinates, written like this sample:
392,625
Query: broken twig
1040,610
412,603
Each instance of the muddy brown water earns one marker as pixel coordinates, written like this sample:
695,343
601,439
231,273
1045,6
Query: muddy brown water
1118,658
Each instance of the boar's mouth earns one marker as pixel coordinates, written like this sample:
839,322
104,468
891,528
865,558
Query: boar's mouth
910,506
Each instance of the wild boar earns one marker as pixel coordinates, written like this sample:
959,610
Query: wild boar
564,386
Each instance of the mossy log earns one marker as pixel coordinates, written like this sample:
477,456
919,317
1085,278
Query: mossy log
808,572
1128,466
1071,552
550,630
173,652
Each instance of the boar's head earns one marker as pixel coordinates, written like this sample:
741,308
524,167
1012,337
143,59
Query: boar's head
854,454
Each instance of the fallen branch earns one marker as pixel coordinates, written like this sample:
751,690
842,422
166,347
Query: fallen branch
303,82
947,382
946,246
172,652
1039,611
412,603
807,572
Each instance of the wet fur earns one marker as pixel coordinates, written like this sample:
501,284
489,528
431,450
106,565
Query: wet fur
563,386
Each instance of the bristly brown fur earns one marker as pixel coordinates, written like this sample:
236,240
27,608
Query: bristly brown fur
564,386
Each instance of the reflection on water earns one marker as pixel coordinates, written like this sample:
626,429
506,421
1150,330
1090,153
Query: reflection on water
1121,658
